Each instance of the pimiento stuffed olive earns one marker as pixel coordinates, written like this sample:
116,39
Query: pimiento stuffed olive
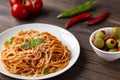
111,43
100,34
116,32
99,42
107,42
113,50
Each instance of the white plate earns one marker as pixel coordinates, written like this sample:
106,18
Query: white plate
65,36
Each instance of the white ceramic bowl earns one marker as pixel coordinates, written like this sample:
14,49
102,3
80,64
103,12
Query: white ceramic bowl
109,56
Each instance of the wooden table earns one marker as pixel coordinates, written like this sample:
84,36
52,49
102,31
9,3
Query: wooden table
89,66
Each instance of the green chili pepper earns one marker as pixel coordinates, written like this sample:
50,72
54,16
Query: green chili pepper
77,10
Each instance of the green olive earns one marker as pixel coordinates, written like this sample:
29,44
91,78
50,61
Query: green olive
111,43
116,32
100,34
118,43
113,50
99,42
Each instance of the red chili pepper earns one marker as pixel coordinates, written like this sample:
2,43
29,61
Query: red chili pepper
97,19
78,18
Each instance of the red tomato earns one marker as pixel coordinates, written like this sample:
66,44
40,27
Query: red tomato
34,6
19,11
12,2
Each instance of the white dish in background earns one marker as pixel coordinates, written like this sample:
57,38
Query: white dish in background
65,36
109,56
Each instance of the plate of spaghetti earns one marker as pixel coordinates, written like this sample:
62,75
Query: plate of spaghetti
37,51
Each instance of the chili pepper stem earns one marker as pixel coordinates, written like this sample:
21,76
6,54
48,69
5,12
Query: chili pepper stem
96,1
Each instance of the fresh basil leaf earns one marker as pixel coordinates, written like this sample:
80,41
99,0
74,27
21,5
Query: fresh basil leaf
26,45
39,41
6,42
32,43
45,71
11,40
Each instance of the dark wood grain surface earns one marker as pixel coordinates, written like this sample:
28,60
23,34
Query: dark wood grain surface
89,66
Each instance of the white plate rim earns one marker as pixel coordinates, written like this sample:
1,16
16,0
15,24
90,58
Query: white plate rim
52,74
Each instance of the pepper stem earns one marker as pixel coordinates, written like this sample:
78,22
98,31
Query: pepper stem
23,1
31,0
96,1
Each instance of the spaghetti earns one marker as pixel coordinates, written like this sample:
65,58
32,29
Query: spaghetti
47,57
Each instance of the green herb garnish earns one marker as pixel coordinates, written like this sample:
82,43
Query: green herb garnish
45,71
32,43
8,41
39,41
11,40
26,45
